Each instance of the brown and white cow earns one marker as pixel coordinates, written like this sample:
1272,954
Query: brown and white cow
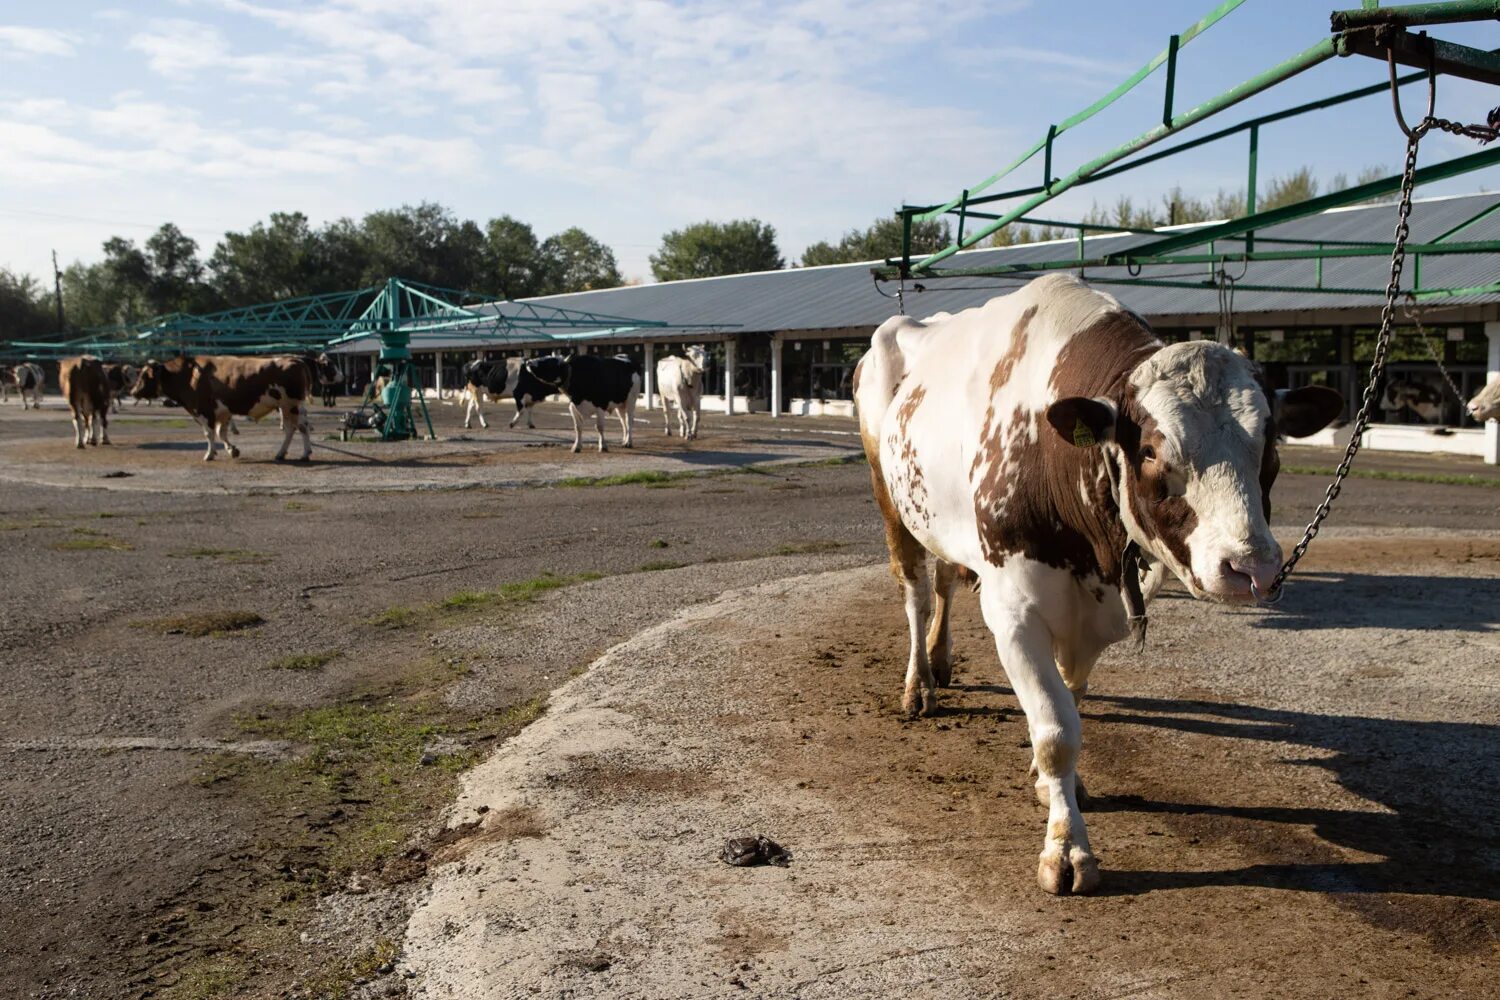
1486,403
86,388
216,389
680,382
1050,445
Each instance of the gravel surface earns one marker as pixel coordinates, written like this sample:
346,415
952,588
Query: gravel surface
134,848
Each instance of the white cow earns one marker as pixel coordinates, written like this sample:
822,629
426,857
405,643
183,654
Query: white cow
680,382
1049,445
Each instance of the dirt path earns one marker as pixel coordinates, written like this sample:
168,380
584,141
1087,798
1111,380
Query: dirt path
1291,804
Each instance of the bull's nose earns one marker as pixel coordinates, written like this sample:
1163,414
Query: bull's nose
1258,568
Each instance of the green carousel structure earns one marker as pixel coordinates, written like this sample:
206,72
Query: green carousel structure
394,312
1201,256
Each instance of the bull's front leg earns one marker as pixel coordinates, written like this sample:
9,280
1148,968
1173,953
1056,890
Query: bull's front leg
102,420
305,428
289,421
599,428
1025,646
920,694
209,433
78,426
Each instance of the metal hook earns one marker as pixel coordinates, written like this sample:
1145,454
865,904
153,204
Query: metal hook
1267,602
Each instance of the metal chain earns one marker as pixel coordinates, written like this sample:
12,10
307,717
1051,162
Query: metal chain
1377,365
1414,314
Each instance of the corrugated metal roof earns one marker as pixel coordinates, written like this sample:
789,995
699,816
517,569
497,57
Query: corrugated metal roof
845,296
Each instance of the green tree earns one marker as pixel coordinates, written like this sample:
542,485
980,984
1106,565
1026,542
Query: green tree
25,310
710,249
881,241
423,243
1299,185
277,260
573,261
513,258
175,274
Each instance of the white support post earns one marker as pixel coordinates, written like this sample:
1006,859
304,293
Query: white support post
437,373
1492,427
776,376
729,377
650,373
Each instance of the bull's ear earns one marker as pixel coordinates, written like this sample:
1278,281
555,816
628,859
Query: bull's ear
1082,421
1304,411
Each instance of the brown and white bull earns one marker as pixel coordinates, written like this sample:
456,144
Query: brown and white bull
1486,403
680,382
215,390
85,386
1049,445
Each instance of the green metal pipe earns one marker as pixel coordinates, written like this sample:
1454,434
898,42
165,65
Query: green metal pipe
1415,14
1193,31
1287,68
1314,206
1250,183
1166,111
1466,223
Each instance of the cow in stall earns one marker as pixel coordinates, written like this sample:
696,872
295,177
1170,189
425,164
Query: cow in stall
594,385
680,382
1486,403
496,380
85,386
1409,396
1047,447
216,389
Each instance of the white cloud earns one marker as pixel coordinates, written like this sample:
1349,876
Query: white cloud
37,41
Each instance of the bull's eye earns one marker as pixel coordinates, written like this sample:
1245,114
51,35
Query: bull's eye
1148,454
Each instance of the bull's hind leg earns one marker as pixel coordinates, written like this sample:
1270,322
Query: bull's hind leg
1025,647
305,428
909,565
939,639
578,428
79,426
102,419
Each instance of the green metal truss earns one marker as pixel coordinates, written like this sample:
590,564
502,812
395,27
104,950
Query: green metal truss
1370,30
394,311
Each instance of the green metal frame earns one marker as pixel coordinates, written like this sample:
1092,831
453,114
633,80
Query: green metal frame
1365,31
394,311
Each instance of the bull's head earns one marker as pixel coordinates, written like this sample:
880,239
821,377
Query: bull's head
148,382
1191,444
1486,404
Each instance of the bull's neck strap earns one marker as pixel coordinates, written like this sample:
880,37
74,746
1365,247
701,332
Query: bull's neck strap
1130,586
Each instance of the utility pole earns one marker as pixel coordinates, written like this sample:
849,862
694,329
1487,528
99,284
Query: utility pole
57,292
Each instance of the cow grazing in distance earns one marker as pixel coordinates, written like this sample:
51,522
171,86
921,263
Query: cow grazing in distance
1049,445
215,389
594,386
1486,403
85,386
498,379
680,382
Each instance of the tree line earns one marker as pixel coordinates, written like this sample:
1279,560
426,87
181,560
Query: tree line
286,256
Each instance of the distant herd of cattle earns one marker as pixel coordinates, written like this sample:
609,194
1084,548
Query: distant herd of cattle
214,390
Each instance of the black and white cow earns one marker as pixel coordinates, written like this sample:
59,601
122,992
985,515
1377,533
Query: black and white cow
498,379
594,386
27,378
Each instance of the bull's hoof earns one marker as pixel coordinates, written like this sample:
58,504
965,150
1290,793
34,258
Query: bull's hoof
918,702
306,458
942,672
207,458
79,446
1066,869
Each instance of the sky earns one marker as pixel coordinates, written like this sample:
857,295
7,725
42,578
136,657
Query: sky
627,118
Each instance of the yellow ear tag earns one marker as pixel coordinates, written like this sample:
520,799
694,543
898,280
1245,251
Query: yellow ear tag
1082,436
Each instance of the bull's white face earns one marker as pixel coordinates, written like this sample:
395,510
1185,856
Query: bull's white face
1193,439
1486,405
1192,445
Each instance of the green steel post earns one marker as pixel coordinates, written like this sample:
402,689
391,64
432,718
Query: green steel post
1250,184
1047,164
963,213
1166,113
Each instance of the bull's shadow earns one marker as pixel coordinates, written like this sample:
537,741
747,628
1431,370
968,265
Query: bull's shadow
1363,600
1437,785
